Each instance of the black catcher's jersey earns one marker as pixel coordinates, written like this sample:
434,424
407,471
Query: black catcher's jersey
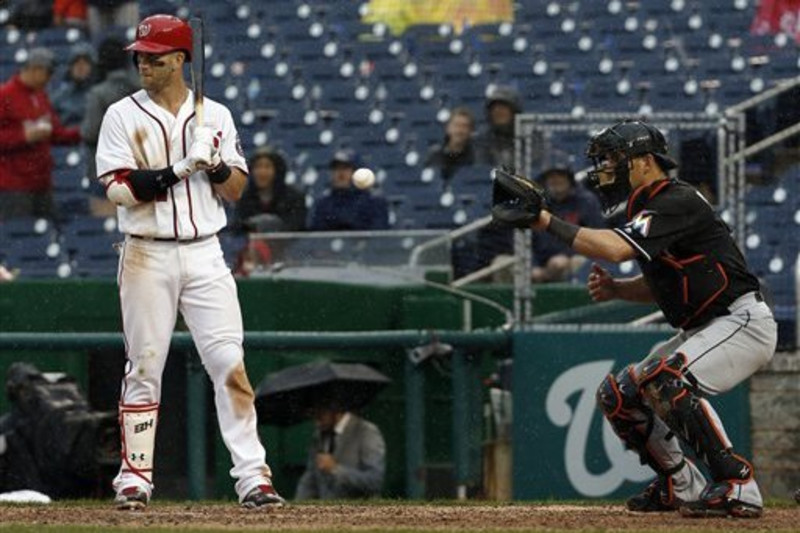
686,253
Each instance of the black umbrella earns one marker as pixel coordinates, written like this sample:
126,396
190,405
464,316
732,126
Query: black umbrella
289,396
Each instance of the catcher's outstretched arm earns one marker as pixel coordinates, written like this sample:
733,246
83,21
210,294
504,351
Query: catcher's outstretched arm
595,243
522,203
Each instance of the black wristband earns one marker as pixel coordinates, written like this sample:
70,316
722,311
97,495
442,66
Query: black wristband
220,173
562,230
147,184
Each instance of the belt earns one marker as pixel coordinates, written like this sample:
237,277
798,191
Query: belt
170,239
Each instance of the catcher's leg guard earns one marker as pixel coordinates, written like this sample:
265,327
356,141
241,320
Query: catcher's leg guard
670,391
636,425
619,399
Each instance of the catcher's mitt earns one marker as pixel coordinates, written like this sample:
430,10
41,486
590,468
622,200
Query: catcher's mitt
516,200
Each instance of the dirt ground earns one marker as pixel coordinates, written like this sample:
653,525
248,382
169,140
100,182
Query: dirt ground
388,516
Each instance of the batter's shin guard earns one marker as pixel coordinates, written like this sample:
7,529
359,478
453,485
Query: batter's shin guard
676,402
138,431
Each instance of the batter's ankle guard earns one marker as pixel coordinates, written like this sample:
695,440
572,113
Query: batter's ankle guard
138,430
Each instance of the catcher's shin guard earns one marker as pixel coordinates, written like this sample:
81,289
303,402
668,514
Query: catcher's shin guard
633,422
638,427
664,382
138,426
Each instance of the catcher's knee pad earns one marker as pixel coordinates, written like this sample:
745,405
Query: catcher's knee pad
138,427
618,395
663,381
620,400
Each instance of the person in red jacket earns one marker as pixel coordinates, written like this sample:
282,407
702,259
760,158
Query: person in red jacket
28,127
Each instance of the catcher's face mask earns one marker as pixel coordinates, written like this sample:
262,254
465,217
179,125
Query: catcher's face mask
611,177
612,151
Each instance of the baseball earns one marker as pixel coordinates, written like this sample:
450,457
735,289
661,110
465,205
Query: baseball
363,178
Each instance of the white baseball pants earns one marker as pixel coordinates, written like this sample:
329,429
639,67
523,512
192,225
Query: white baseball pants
156,280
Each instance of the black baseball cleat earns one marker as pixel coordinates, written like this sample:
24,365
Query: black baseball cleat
653,499
262,496
716,502
131,499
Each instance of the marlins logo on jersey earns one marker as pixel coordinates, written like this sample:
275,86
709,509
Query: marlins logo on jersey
640,223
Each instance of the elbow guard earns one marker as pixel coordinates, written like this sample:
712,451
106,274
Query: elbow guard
131,187
118,190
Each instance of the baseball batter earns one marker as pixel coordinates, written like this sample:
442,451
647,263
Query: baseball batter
169,178
693,270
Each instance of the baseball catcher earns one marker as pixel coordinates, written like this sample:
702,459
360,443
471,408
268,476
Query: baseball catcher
692,269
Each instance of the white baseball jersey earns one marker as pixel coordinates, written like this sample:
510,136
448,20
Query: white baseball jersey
137,133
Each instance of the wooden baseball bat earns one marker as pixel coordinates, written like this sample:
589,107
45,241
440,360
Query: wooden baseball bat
197,67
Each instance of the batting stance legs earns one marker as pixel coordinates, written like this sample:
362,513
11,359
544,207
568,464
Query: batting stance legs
156,280
665,396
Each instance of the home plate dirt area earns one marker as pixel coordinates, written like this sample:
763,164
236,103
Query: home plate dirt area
384,516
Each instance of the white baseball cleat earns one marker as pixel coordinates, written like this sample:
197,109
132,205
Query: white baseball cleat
263,495
131,498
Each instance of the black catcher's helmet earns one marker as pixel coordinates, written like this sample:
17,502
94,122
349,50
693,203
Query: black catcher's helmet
618,144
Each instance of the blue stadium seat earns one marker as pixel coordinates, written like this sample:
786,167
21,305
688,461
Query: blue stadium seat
219,12
31,245
277,12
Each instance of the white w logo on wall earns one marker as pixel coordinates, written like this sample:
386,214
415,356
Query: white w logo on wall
624,465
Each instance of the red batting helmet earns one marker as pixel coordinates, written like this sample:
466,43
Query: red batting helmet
161,34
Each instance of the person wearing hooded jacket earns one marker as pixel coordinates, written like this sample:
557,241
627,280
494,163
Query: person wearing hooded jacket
495,141
269,203
118,79
494,146
69,98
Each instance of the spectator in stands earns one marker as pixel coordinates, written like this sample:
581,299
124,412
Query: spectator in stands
28,127
495,146
117,80
69,98
495,141
256,256
554,260
458,149
345,207
346,459
70,13
268,203
105,14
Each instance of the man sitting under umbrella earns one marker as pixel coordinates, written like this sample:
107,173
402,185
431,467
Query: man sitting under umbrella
347,458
